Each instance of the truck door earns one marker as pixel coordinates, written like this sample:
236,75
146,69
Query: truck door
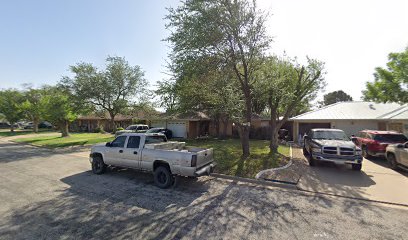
404,154
114,154
131,154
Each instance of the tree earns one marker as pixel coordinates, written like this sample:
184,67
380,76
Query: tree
391,84
336,96
166,90
31,106
288,86
233,33
10,106
59,107
111,90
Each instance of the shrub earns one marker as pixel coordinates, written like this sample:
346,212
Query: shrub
120,129
100,129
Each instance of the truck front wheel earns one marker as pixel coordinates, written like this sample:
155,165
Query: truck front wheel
163,177
356,167
98,166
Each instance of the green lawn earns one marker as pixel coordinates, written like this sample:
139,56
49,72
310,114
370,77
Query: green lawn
74,139
17,132
227,154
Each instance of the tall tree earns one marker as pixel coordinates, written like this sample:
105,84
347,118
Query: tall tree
336,96
112,89
231,31
10,106
59,107
31,106
391,83
288,86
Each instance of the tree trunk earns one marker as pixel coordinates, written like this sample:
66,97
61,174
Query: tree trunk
245,127
11,127
112,121
224,130
217,127
64,129
35,124
244,137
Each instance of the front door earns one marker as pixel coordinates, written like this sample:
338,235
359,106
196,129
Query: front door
114,154
132,153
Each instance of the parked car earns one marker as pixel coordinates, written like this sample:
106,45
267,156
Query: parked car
4,125
331,145
165,131
45,124
140,128
28,125
152,152
374,143
397,155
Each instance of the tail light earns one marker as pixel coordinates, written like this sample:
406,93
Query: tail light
194,160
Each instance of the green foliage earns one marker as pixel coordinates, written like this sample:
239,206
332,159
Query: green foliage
209,35
107,90
120,128
11,105
336,96
391,84
31,106
59,107
287,87
100,129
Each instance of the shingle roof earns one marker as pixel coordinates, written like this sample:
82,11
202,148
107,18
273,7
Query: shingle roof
357,111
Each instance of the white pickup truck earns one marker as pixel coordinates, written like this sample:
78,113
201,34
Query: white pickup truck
153,153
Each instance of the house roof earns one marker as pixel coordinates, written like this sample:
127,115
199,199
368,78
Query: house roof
185,116
118,117
357,111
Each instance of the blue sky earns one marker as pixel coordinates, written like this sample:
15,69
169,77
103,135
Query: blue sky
41,39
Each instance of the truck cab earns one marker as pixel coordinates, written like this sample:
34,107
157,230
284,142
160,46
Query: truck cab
152,153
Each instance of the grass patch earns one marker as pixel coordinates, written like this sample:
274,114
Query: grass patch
75,139
18,132
227,154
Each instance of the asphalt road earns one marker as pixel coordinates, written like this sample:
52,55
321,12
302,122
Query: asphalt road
49,195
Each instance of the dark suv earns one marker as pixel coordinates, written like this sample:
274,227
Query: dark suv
374,143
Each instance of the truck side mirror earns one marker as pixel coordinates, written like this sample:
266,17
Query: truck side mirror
108,144
353,139
400,145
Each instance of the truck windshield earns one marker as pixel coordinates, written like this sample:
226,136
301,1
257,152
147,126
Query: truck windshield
155,139
332,135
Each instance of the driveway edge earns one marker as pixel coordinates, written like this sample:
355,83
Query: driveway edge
256,181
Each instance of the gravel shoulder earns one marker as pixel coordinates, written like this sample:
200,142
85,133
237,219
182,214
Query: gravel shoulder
48,195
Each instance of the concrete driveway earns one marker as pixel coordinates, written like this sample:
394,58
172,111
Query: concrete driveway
375,182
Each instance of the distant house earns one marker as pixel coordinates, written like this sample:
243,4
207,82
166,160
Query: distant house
90,123
353,117
189,125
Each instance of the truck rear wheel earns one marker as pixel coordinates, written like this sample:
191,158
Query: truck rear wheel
163,177
98,166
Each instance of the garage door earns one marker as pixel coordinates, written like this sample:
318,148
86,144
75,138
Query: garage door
178,128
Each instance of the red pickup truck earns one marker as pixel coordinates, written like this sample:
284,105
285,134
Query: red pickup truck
374,143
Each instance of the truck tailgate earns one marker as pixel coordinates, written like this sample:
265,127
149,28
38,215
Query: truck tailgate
204,157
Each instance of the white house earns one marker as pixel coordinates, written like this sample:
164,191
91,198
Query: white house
353,117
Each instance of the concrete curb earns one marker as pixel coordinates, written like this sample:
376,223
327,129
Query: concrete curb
255,181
